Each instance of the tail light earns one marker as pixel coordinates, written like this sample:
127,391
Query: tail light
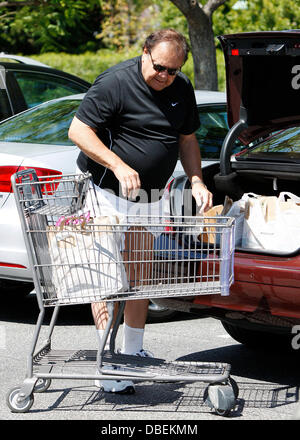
7,171
17,266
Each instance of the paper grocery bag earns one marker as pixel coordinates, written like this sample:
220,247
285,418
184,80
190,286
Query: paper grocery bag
259,223
228,209
271,223
209,232
86,261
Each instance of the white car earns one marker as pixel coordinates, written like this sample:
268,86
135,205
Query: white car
38,138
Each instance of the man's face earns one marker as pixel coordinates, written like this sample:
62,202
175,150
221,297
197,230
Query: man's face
163,54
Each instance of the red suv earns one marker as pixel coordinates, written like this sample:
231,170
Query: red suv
263,95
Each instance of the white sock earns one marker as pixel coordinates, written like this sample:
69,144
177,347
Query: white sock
132,339
100,336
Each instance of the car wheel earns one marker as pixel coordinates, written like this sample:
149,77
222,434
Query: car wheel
256,338
158,313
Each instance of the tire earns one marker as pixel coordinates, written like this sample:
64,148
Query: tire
257,339
159,314
15,406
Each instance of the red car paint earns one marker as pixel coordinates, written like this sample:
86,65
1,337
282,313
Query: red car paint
270,282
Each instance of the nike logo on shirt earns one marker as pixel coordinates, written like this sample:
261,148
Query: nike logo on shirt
173,104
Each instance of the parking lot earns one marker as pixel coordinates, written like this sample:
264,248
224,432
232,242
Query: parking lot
268,382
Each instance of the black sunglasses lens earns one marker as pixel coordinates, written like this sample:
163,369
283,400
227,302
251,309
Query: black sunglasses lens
159,68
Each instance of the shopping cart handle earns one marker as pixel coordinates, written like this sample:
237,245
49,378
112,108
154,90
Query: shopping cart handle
28,174
32,197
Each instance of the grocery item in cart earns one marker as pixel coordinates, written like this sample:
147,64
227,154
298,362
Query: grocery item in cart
74,243
86,259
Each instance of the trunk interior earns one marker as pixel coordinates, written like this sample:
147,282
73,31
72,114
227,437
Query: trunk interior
260,182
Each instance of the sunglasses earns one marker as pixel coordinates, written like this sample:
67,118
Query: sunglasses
159,68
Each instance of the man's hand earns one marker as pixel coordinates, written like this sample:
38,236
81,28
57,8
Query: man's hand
190,157
202,196
129,180
86,139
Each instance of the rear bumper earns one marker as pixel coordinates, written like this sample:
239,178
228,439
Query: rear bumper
266,282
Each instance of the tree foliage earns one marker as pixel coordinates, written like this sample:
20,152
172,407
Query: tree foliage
48,25
125,22
32,26
76,26
198,14
257,15
207,18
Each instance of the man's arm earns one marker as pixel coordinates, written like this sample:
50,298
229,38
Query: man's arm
87,140
190,157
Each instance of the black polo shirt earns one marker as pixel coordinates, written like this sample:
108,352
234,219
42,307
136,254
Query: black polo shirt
137,123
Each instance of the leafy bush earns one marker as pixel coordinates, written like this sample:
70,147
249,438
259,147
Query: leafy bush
90,64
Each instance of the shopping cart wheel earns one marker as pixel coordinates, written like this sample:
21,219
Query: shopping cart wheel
235,387
16,405
42,385
221,397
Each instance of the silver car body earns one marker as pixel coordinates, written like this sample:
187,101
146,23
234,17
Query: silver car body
13,257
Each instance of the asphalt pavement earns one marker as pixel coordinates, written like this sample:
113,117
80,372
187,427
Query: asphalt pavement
268,381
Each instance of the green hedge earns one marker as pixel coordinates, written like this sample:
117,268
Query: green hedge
90,64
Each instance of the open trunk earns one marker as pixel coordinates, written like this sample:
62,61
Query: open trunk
264,182
263,86
265,295
235,185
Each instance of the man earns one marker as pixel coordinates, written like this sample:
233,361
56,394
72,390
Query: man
132,124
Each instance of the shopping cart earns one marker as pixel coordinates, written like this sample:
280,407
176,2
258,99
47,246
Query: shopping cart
78,256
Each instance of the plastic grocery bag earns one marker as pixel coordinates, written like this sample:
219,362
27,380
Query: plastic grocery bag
271,222
237,210
86,260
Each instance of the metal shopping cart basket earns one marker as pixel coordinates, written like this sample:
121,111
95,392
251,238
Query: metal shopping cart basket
78,256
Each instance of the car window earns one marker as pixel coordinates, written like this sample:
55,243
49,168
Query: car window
283,146
5,109
40,87
46,124
212,131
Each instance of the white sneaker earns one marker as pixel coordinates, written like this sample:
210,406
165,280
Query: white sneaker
141,353
115,386
121,386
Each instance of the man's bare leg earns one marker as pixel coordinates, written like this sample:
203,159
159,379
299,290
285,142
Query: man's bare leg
138,268
135,313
